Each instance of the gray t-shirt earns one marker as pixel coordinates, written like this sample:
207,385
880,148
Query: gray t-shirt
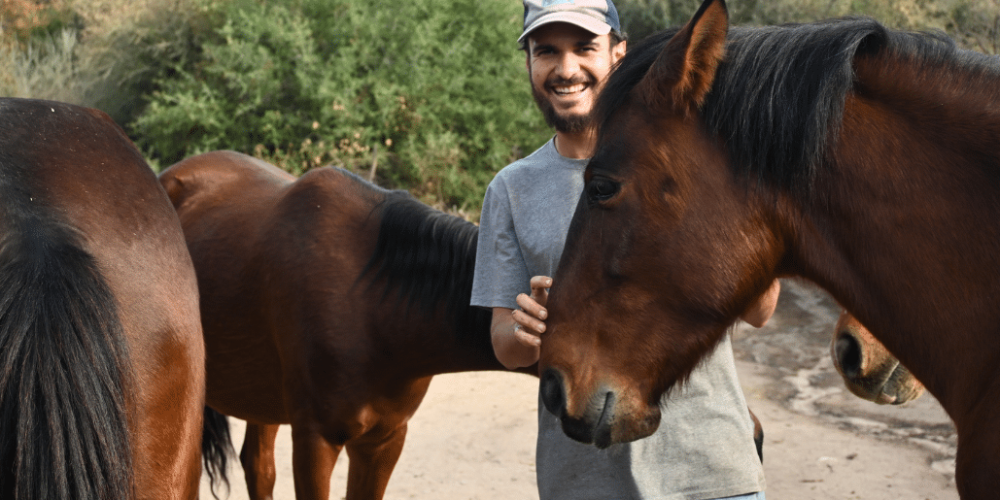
704,446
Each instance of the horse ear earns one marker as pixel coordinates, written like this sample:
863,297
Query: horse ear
684,70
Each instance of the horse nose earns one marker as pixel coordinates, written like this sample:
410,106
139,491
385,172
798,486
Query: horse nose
848,353
594,425
553,392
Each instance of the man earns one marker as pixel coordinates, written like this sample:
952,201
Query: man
703,448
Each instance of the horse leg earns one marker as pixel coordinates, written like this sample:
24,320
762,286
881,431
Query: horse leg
978,461
257,457
313,458
372,460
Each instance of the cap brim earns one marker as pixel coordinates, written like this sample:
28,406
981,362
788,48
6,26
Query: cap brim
582,20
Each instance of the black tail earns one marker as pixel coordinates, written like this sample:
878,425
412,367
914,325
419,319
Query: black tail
216,448
64,373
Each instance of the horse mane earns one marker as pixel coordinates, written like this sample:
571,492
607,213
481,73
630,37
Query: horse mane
428,258
778,99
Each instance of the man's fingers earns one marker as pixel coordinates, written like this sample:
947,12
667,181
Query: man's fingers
531,307
524,337
540,289
530,323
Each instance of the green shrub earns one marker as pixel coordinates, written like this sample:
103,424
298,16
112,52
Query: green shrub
432,91
44,66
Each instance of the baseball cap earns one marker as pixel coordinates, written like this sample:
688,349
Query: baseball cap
596,16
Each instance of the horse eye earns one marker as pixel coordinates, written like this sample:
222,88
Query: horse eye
601,189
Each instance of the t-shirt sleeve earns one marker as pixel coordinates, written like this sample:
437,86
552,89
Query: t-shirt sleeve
501,272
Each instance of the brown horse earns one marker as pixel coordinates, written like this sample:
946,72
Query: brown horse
869,370
222,198
862,159
102,369
327,303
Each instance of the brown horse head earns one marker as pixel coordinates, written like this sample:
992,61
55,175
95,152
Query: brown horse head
613,348
728,157
869,370
862,159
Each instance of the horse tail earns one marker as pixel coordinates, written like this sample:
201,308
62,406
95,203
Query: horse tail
216,448
64,372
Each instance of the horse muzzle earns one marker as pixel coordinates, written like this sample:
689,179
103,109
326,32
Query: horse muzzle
881,379
600,417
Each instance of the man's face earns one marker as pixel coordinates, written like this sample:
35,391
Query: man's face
568,65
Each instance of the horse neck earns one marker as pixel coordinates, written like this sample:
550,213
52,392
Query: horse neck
445,341
905,234
421,272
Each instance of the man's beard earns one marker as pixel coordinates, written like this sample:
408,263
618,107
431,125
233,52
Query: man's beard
568,124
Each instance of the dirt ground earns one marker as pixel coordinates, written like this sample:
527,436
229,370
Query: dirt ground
473,437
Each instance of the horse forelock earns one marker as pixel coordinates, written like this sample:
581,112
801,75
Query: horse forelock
778,99
427,258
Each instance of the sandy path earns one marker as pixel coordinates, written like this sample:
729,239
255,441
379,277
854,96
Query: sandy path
473,438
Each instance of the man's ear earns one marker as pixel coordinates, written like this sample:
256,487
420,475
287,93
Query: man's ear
618,51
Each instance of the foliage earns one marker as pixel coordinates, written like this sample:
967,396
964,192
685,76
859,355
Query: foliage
45,67
98,53
133,43
22,19
38,45
432,91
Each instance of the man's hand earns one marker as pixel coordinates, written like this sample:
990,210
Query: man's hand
515,333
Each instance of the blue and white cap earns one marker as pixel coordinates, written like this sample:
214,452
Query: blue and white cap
596,16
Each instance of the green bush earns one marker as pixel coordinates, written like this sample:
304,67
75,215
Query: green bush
432,91
44,66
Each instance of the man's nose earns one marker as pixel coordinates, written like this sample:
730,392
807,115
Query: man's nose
568,67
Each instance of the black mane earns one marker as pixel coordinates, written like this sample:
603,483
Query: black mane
428,258
779,94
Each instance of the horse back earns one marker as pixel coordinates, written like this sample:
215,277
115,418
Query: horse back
248,223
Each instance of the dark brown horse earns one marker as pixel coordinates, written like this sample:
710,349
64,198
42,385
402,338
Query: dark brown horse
328,303
862,159
102,369
869,370
389,281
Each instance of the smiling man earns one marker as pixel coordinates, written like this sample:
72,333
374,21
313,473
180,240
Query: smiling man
567,65
704,447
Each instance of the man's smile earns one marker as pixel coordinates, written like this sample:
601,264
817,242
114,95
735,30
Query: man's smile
569,89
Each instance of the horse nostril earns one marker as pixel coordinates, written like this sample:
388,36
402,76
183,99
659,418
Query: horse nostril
848,352
553,394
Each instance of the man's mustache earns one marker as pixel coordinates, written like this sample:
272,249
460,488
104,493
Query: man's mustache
564,82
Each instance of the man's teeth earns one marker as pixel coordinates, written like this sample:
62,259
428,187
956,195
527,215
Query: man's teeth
569,90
